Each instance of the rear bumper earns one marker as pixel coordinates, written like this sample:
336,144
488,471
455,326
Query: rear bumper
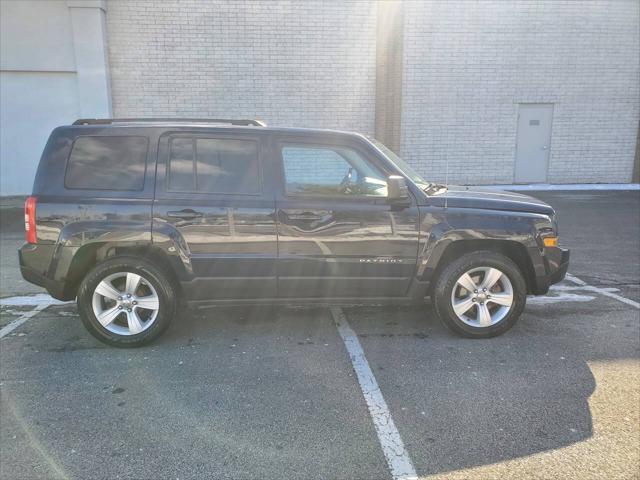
556,265
32,270
55,289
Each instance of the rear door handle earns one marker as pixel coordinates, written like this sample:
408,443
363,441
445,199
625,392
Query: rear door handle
185,214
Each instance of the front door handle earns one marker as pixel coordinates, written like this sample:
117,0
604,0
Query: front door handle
184,214
305,216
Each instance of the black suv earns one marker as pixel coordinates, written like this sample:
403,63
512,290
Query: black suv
136,217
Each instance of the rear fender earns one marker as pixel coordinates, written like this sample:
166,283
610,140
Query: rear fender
82,245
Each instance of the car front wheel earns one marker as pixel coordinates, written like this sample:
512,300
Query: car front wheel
481,294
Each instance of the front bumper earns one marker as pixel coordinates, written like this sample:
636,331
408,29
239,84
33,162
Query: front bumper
562,268
556,264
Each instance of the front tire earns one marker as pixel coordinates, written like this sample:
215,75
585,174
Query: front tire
126,301
480,295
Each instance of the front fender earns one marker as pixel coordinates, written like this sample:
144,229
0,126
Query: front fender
442,228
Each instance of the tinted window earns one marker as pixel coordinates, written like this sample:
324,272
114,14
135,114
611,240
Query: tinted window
330,171
107,163
182,166
214,165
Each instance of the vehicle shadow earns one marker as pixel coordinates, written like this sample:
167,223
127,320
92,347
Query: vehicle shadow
461,403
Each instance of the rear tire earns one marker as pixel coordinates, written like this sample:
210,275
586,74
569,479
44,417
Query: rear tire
127,301
493,301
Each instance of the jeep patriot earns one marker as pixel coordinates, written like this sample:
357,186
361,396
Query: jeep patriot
136,217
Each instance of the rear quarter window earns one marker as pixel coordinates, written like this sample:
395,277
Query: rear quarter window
107,163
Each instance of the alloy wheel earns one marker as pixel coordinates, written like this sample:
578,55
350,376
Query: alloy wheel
482,296
125,303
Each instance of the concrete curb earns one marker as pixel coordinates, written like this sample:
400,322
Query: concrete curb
12,213
568,187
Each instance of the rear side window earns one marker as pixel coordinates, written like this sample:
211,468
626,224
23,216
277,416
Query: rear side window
107,163
213,165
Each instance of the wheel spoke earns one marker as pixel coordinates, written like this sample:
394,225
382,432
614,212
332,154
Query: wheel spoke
491,277
133,280
150,302
107,290
133,320
504,299
463,306
484,316
108,316
467,283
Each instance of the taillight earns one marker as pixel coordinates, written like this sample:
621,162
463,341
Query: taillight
30,220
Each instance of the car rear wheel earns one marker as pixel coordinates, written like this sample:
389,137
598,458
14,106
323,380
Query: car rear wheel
126,302
480,295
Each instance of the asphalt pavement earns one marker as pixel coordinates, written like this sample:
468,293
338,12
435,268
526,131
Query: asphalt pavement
255,392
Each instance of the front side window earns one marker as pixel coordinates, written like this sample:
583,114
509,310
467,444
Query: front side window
213,165
316,170
107,163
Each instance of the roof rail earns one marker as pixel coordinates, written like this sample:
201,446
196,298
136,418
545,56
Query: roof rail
108,121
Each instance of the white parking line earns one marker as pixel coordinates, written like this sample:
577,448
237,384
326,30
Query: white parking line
7,329
561,298
393,448
602,291
40,301
28,300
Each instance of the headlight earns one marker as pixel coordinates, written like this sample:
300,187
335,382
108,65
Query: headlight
548,231
554,224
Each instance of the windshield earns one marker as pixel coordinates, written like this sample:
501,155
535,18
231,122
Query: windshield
401,164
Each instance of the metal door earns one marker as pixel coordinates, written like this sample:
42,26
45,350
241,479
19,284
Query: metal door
343,246
228,229
533,142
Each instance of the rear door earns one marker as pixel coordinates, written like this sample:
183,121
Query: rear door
211,196
338,237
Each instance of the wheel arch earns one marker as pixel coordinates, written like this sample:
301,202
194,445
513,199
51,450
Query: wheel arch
515,251
88,256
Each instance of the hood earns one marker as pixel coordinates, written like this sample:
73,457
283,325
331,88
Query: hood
485,198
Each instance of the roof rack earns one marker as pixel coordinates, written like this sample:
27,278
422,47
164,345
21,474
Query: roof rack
108,121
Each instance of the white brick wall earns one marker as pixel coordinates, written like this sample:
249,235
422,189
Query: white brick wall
469,64
309,64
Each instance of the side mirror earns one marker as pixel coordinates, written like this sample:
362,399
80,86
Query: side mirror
397,190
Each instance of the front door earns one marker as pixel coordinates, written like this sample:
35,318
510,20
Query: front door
534,140
210,196
338,237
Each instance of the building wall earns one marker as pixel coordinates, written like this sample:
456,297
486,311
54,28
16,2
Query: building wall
51,73
308,64
467,66
37,85
454,72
